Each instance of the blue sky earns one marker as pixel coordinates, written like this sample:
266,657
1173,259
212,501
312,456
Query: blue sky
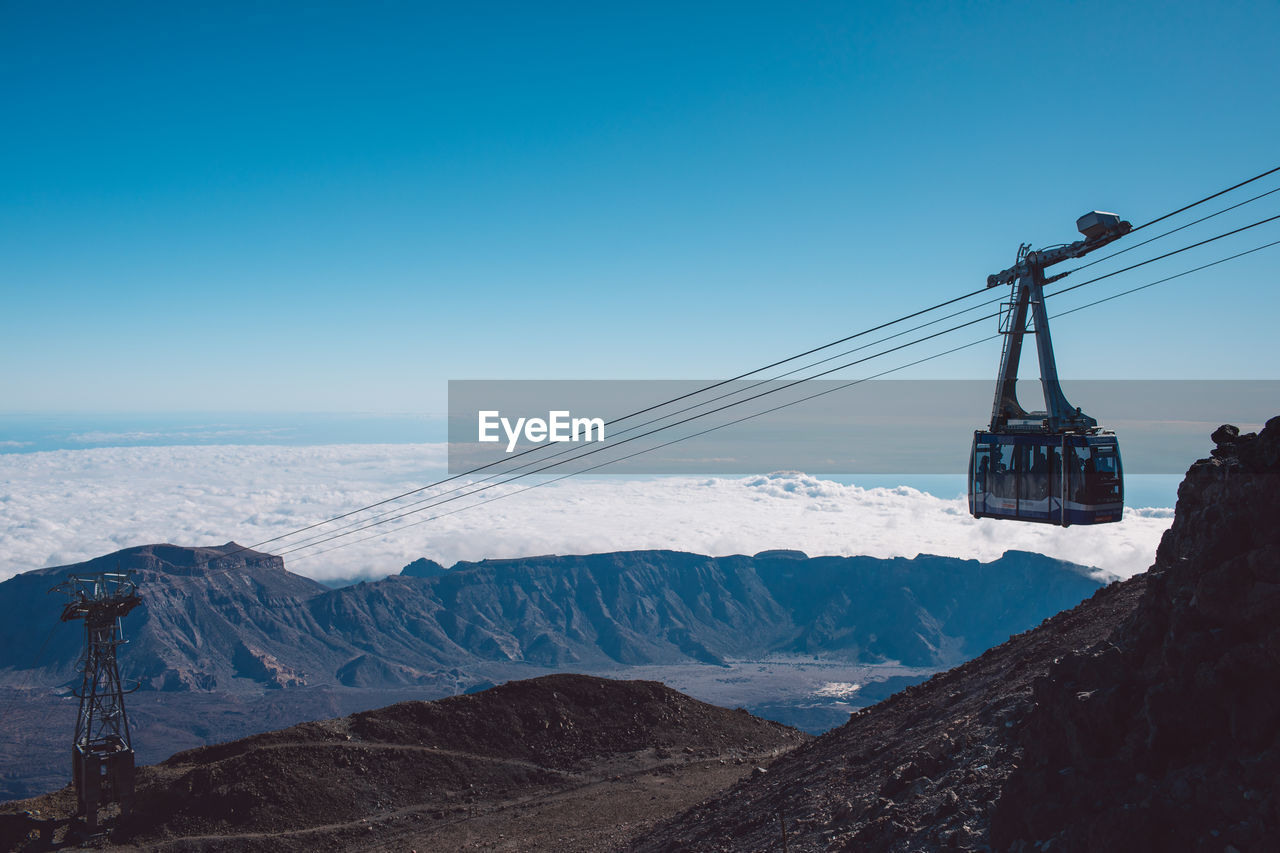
339,207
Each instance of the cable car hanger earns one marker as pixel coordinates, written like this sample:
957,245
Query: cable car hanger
1056,465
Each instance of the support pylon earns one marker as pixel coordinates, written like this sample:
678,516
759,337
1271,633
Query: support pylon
102,752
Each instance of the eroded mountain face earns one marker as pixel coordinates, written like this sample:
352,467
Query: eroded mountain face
242,622
1168,736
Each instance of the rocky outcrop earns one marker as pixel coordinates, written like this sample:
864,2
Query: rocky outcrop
423,568
1167,736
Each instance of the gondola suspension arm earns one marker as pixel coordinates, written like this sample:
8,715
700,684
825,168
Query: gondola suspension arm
1027,304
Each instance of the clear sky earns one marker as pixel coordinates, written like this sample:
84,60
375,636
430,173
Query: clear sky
340,206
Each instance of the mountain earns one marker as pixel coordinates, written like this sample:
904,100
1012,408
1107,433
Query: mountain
210,618
1146,718
1169,734
661,607
228,619
227,642
567,762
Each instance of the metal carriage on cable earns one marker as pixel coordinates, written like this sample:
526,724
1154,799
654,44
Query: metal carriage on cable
1055,466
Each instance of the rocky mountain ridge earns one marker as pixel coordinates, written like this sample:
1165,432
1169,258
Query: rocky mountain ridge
209,622
1167,736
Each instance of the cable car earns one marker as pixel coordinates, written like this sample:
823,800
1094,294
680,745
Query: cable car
1060,479
1055,466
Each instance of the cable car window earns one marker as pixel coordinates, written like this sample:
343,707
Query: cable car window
1053,461
1074,470
1034,464
1105,486
1095,475
981,468
1004,483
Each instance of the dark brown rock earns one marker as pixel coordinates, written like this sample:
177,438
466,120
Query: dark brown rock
1168,736
495,765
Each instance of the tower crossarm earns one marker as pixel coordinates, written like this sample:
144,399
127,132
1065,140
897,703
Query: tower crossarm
1099,229
98,598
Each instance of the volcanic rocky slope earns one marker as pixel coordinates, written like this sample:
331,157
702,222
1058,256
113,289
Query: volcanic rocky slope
567,762
1147,718
1167,737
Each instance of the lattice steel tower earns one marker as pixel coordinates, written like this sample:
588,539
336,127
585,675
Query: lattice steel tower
102,753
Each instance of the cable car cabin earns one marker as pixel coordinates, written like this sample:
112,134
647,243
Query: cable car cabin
1057,479
1054,466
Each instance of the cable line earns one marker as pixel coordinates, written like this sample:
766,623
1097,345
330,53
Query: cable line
646,449
313,539
1206,198
777,363
747,417
600,449
770,410
401,512
1172,231
712,386
1171,254
1160,281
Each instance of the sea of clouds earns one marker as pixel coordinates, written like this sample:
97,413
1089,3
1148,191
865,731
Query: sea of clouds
63,506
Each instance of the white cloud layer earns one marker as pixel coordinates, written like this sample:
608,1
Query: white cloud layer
63,506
